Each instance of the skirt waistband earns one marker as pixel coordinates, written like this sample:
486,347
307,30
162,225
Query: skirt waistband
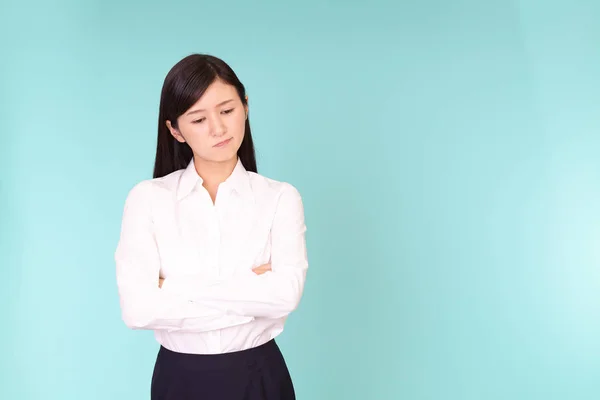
243,358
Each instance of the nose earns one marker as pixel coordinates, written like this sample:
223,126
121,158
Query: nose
218,127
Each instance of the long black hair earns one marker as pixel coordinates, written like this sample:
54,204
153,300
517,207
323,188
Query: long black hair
185,83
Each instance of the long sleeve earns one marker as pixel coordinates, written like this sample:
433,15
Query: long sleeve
273,294
143,304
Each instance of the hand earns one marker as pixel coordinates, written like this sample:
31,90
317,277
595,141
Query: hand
262,269
160,282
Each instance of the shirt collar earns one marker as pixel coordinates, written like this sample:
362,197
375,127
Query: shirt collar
239,180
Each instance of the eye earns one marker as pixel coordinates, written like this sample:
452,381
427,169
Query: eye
199,120
228,111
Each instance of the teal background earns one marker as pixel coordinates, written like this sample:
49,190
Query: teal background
447,153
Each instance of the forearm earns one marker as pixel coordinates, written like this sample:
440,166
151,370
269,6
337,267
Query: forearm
273,294
150,307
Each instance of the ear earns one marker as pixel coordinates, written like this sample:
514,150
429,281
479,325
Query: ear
246,107
176,134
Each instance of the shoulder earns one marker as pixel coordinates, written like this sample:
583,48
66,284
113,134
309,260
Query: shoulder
152,189
279,196
264,186
281,199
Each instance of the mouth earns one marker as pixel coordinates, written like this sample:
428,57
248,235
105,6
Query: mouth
223,143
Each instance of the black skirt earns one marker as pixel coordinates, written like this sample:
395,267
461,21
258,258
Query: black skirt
259,373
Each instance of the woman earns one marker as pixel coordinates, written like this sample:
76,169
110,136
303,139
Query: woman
211,256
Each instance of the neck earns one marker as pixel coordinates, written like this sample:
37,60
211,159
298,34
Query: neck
214,173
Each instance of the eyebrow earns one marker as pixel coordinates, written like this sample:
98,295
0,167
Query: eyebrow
200,110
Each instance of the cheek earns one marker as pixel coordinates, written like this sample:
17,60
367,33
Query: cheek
238,126
196,135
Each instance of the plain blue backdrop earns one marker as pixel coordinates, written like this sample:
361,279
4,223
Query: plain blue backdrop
447,153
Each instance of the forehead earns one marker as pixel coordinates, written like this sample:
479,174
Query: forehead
216,93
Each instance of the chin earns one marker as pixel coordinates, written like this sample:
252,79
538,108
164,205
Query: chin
225,158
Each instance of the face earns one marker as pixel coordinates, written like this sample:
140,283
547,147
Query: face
214,126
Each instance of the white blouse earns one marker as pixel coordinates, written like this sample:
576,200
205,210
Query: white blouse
211,301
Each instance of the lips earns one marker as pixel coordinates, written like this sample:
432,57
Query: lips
223,143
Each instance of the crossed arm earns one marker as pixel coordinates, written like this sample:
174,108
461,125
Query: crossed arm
195,304
258,271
